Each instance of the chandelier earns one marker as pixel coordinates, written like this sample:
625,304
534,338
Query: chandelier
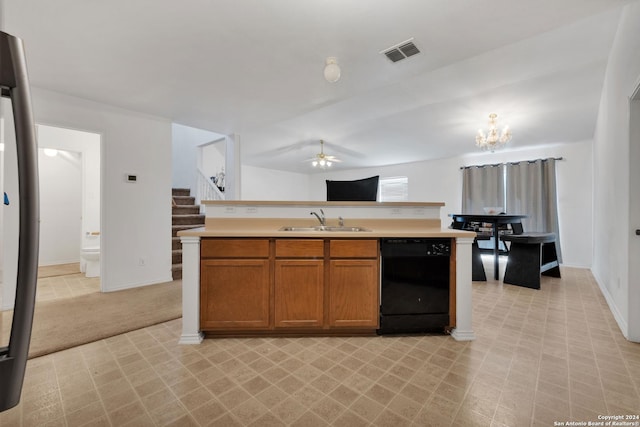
494,139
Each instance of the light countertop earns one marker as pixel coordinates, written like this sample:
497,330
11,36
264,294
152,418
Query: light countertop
317,203
270,227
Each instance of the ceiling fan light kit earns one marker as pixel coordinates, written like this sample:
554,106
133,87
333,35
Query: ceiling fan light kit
322,160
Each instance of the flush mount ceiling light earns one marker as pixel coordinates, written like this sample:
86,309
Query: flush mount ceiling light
331,70
494,139
322,160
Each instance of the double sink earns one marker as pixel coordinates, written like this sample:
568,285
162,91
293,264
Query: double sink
325,228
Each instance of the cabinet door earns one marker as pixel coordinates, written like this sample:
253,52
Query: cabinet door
299,286
234,294
353,293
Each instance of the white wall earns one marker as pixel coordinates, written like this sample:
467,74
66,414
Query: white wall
441,181
212,157
613,227
185,150
136,218
271,184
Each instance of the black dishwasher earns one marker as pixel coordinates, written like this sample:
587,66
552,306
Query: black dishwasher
414,285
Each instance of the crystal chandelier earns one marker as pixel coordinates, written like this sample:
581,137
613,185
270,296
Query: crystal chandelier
494,139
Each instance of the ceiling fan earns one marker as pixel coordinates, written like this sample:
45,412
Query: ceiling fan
322,160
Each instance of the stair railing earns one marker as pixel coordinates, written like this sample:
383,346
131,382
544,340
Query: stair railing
207,190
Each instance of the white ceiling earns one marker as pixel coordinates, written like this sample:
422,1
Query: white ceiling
254,68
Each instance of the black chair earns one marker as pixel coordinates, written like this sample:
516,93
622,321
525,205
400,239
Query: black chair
477,267
531,255
516,228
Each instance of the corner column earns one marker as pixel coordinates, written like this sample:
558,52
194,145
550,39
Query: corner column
463,330
190,290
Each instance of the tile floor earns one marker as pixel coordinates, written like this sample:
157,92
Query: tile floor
64,281
540,357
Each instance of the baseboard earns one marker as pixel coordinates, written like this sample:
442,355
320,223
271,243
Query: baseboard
622,323
140,284
459,335
191,338
59,263
584,267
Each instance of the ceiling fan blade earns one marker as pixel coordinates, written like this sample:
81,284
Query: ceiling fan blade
336,148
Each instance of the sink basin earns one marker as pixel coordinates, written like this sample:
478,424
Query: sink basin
325,228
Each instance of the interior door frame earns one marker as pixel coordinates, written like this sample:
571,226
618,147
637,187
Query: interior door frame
633,331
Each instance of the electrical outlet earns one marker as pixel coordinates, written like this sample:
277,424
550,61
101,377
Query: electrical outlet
142,262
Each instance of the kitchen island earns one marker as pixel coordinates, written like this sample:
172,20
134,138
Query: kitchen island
305,268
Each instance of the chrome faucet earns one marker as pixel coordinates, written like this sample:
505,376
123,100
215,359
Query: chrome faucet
320,217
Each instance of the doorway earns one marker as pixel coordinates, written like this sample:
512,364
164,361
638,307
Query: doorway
69,168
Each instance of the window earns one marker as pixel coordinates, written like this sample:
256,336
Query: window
394,189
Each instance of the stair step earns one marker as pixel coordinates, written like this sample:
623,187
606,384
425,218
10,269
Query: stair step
185,210
176,228
180,191
184,200
176,256
176,244
176,271
188,220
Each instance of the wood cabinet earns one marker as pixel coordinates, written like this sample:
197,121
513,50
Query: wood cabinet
234,284
353,283
289,286
299,283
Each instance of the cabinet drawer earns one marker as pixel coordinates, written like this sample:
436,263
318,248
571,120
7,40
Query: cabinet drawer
351,248
234,248
299,248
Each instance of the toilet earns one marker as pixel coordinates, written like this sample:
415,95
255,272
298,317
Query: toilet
90,256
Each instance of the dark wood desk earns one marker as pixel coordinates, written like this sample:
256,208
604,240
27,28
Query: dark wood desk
495,220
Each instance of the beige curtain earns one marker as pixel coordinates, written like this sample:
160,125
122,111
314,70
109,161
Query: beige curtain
531,190
482,186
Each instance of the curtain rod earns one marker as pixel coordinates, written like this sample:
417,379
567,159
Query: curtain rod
510,163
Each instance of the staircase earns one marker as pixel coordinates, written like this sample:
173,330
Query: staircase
185,215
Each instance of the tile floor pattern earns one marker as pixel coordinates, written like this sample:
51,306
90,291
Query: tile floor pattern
540,356
58,269
64,281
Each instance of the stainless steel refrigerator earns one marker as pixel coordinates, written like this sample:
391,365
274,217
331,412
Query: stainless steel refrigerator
14,85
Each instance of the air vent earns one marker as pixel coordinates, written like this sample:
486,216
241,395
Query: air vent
401,51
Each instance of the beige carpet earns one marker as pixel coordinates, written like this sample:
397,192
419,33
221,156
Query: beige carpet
62,324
